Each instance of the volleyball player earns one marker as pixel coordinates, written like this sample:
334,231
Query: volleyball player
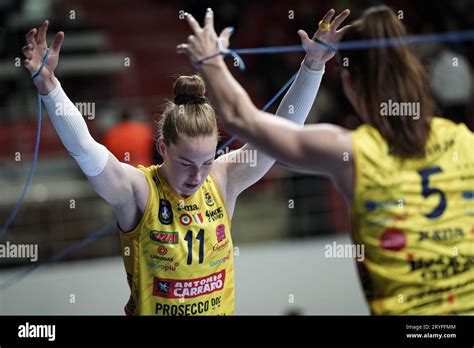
174,219
407,178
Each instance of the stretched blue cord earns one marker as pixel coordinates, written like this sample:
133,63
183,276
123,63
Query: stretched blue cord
454,36
19,203
22,275
59,256
267,105
441,37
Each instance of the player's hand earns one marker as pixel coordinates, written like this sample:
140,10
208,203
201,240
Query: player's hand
35,49
203,41
316,54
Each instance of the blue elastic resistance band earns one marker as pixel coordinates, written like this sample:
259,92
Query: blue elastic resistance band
29,178
222,52
20,276
43,63
455,36
443,37
59,256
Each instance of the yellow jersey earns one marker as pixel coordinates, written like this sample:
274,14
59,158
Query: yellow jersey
179,259
415,219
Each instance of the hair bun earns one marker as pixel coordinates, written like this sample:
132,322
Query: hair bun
189,90
188,99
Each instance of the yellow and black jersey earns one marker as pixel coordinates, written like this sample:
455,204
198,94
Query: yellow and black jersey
415,218
179,259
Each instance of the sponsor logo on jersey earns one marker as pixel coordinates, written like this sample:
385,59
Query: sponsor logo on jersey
198,218
441,267
162,268
161,258
188,309
190,207
468,195
393,239
209,199
185,219
164,237
221,245
219,261
165,213
188,288
373,205
220,232
182,309
216,214
385,222
445,234
162,250
222,242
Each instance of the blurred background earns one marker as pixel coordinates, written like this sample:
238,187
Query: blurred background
118,60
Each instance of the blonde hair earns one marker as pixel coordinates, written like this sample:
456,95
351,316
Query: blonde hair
188,114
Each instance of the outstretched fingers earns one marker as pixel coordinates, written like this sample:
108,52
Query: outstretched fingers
57,43
27,51
339,19
30,37
193,24
328,16
41,37
225,35
209,19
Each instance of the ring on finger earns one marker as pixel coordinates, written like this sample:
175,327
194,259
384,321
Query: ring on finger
323,26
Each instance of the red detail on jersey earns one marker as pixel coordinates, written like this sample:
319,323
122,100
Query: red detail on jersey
162,250
220,232
185,219
164,237
188,288
393,239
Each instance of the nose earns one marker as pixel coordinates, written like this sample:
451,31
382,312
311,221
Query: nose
197,176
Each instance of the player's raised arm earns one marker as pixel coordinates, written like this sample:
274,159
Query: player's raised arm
295,106
301,147
114,181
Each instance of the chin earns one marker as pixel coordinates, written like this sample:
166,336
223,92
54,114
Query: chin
188,191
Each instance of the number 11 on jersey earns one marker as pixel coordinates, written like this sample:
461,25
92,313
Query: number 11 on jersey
189,239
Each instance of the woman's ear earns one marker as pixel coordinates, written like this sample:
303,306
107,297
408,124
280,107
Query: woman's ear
161,147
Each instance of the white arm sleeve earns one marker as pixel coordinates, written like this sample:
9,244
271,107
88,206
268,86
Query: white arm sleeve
299,99
72,129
